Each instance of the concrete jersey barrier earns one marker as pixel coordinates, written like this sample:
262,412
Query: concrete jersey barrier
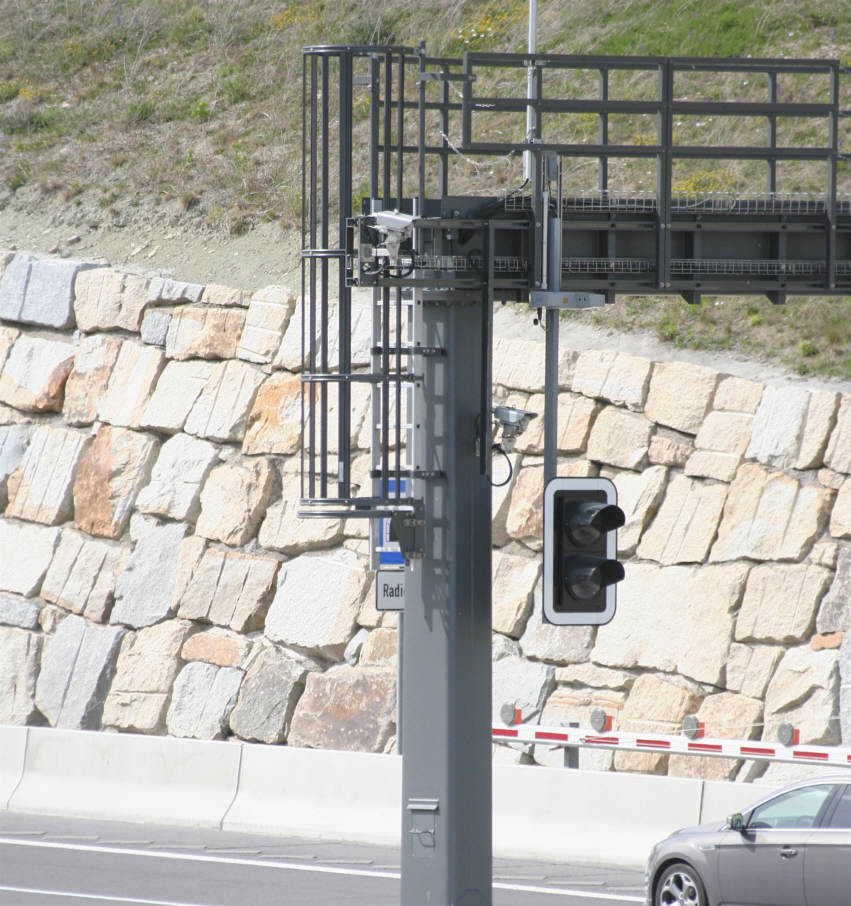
544,813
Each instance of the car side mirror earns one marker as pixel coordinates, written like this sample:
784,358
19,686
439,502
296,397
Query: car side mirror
736,822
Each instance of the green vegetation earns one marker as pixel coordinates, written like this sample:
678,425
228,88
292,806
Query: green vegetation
197,104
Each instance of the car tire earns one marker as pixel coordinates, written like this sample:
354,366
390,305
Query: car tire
679,885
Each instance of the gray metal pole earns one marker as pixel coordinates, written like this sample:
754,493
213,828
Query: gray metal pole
446,690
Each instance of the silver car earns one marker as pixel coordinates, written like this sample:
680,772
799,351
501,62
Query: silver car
792,848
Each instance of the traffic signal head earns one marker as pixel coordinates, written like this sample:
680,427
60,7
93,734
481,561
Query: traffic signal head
581,518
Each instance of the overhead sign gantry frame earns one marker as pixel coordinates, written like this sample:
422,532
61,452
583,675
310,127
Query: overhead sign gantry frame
437,257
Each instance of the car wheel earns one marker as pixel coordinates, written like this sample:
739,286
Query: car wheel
680,885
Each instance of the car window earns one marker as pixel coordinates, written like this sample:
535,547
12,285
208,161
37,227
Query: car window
797,808
841,816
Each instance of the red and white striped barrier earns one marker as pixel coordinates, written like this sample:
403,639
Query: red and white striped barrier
675,745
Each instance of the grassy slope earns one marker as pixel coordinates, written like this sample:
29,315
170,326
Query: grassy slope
134,105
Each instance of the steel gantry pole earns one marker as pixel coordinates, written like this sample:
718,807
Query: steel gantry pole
446,688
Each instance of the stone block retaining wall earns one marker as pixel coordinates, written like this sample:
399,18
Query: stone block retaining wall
155,579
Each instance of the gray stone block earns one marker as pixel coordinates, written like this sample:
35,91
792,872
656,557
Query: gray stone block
144,591
13,445
202,700
162,289
40,290
268,696
16,611
20,651
835,611
13,286
155,327
77,668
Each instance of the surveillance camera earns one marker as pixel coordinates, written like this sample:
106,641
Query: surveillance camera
395,228
513,423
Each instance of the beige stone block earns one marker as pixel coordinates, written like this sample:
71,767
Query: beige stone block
518,364
620,438
574,706
131,384
317,602
639,496
269,313
726,716
204,332
654,705
233,500
82,575
830,479
283,530
216,646
669,451
770,516
177,389
221,410
274,422
685,524
840,515
346,708
96,356
513,582
40,489
34,374
116,465
819,422
750,667
781,602
707,464
525,520
725,432
8,335
229,588
675,619
593,675
838,455
216,294
680,395
735,394
824,553
26,551
379,648
804,692
177,476
614,376
575,417
106,298
148,664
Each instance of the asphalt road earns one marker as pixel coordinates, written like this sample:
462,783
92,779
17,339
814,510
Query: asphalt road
64,862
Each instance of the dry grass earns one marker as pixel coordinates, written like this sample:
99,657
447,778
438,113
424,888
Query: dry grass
128,106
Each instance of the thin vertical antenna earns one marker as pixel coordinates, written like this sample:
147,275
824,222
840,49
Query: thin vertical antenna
530,87
323,346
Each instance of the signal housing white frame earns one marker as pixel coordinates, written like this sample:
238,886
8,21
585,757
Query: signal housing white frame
588,618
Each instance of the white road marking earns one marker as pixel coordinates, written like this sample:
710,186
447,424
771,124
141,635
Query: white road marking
89,897
262,863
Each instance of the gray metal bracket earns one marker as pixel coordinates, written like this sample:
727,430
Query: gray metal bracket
541,298
408,529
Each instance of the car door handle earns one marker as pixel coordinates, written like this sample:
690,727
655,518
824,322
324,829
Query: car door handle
786,852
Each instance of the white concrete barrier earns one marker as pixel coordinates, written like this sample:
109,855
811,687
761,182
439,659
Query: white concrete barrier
127,777
721,799
13,747
588,816
318,793
539,813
